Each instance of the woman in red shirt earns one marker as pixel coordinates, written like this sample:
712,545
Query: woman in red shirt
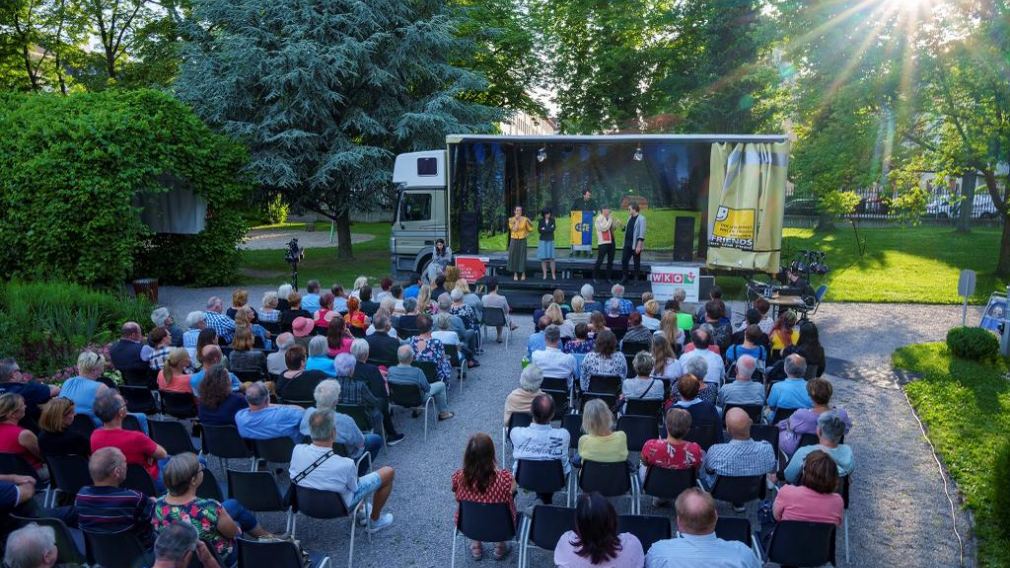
673,452
17,440
355,317
325,312
481,481
173,376
815,500
338,339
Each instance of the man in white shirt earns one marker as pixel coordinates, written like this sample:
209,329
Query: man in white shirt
551,359
697,544
339,474
714,370
541,442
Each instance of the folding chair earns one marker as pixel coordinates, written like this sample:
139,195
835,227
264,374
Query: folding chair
668,484
633,347
767,433
249,375
648,529
610,399
739,490
68,474
643,407
561,391
802,543
83,425
544,528
752,410
638,430
274,450
494,317
610,480
572,423
411,396
318,504
140,378
486,522
172,436
139,399
608,384
738,529
781,414
114,549
130,422
180,405
225,443
844,490
258,492
429,368
542,476
276,554
67,551
452,354
138,479
209,488
359,414
808,440
516,420
705,435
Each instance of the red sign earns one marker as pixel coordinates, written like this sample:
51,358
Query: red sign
473,268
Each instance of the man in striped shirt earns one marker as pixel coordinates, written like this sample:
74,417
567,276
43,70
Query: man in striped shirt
106,508
697,544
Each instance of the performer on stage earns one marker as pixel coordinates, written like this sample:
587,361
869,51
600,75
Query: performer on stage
440,258
797,286
605,235
585,203
545,250
520,228
634,241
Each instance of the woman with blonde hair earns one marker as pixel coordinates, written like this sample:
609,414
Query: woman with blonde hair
245,316
244,356
554,312
269,312
578,314
56,438
84,388
665,363
240,299
650,319
359,283
601,443
17,440
173,376
424,303
451,276
669,329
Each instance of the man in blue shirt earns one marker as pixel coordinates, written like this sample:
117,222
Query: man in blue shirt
536,341
211,356
215,319
264,421
697,544
625,307
310,301
412,290
792,392
35,394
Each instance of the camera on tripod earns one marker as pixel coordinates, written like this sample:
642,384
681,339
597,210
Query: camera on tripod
808,262
293,256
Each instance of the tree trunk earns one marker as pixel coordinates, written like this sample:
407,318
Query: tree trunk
1003,265
110,62
968,182
825,223
344,235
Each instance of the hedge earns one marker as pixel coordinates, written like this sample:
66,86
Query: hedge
973,343
69,169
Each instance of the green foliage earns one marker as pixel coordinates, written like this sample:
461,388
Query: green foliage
69,169
973,343
276,211
44,325
1001,487
838,202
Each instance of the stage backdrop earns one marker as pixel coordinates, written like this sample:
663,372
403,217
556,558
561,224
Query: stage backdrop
746,203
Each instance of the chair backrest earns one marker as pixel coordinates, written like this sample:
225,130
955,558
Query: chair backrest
67,551
540,476
15,464
548,523
319,504
429,368
494,317
130,422
668,483
518,420
638,430
609,384
752,410
633,347
275,450
808,440
643,407
209,488
572,423
452,354
138,377
248,375
554,384
114,549
256,490
83,425
178,404
802,543
782,413
407,395
138,479
705,435
610,399
843,488
734,528
69,473
486,522
172,436
139,399
767,433
224,442
739,489
647,528
610,479
268,554
360,415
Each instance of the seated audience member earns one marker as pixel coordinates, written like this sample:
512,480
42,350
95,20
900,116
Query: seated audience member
195,324
339,299
668,329
365,303
696,367
217,523
302,329
178,545
558,297
706,330
218,402
31,546
540,441
580,344
700,342
697,544
161,317
591,305
685,320
105,508
263,421
481,481
161,342
494,299
672,452
714,296
239,300
310,301
604,360
536,341
741,456
428,349
642,386
715,316
520,399
460,309
355,316
595,541
283,291
215,319
551,360
752,317
356,391
56,438
207,337
665,363
804,420
297,383
294,312
816,498
372,377
130,354
646,296
784,333
339,474
327,396
443,331
17,440
318,360
268,312
578,314
173,376
601,443
413,289
792,392
110,408
830,430
650,319
84,388
810,346
764,318
244,356
211,356
325,314
12,380
471,299
751,345
637,333
406,374
690,392
275,360
246,317
743,391
381,346
545,301
16,496
396,294
338,339
624,306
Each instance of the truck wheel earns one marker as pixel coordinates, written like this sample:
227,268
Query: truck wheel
422,267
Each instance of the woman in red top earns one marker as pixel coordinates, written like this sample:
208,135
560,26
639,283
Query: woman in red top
173,376
481,481
17,440
673,452
338,339
816,500
355,317
325,312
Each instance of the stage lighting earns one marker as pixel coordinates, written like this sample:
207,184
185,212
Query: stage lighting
638,154
542,154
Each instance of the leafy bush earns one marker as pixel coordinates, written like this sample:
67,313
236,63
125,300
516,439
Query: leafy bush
44,325
973,343
70,168
1001,484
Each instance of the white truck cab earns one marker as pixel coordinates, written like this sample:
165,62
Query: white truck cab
421,211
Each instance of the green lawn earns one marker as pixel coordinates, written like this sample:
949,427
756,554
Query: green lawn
966,407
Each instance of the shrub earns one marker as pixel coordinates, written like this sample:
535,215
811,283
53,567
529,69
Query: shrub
44,325
1001,487
973,343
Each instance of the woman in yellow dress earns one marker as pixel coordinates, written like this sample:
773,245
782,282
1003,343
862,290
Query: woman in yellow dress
520,228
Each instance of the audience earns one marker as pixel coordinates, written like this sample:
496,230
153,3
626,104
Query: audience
672,452
356,392
406,374
339,299
428,349
784,333
751,346
140,450
263,421
372,377
56,437
283,291
830,431
697,544
578,314
212,356
600,443
700,341
743,391
810,346
318,360
355,316
580,344
791,393
381,345
327,396
295,311
365,303
161,341
624,306
637,333
105,508
269,312
804,420
239,300
595,541
741,456
17,440
31,546
665,363
480,481
697,367
604,360
244,357
310,301
816,498
588,292
12,380
540,441
545,301
173,376
84,388
650,319
275,361
536,341
218,402
130,354
207,337
338,339
551,360
643,386
521,399
178,544
215,319
669,329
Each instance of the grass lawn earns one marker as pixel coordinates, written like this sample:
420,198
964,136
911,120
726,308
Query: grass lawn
966,407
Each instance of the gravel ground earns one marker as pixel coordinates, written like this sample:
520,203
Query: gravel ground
899,514
278,239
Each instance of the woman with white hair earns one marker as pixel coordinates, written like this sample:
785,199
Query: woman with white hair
318,361
359,283
471,299
600,443
84,388
520,399
162,318
283,291
195,322
460,309
268,310
327,396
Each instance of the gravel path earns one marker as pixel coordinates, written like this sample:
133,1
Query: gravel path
899,515
278,239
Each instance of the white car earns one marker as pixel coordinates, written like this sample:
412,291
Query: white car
982,207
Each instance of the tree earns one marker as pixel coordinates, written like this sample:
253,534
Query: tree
325,93
36,39
115,22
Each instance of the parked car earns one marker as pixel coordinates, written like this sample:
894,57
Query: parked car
982,207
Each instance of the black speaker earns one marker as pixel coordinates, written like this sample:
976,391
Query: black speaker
683,239
469,240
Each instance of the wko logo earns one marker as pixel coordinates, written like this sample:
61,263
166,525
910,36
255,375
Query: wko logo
583,227
673,277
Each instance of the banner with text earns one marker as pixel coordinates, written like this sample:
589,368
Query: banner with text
473,268
582,230
666,279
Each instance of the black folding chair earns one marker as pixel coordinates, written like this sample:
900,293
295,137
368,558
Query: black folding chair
67,551
495,317
139,399
782,413
516,420
225,443
668,484
486,522
705,435
739,490
808,440
138,479
249,375
411,396
180,405
608,384
429,368
544,528
258,492
83,425
359,414
140,378
610,399
68,474
275,450
767,433
802,543
209,488
452,354
542,476
276,554
324,505
648,529
130,422
114,549
752,410
610,480
844,490
572,423
172,436
738,529
643,407
638,430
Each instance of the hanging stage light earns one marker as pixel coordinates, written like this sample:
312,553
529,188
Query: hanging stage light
542,154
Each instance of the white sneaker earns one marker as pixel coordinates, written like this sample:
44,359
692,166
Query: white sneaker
363,514
384,521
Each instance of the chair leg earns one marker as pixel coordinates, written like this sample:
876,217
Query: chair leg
452,552
290,528
354,523
845,521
